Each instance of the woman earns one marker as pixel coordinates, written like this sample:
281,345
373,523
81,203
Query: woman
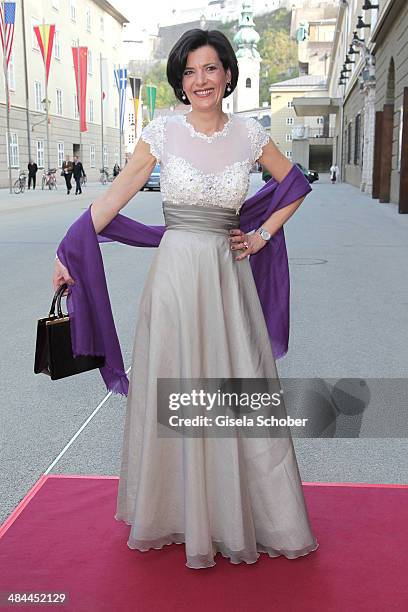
200,317
67,170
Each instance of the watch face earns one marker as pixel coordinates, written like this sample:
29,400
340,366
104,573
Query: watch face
265,234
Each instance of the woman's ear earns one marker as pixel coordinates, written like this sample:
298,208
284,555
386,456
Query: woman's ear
228,73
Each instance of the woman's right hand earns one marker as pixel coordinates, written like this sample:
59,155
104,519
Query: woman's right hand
61,275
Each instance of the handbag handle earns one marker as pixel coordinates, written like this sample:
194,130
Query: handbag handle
57,300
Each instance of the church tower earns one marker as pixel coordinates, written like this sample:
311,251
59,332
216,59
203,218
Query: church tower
246,94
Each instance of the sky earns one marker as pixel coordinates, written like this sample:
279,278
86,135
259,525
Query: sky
148,19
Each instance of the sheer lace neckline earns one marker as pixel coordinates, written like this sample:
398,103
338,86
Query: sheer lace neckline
195,132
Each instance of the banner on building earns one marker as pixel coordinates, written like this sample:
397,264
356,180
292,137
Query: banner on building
151,99
136,85
45,36
121,84
8,18
81,72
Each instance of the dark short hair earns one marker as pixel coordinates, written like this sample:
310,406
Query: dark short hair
192,40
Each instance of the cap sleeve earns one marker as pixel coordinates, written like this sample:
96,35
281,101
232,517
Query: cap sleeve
153,134
258,137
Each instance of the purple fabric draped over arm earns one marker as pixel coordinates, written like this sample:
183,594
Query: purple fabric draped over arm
92,325
270,265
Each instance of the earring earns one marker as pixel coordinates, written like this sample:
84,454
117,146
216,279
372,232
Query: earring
183,95
229,87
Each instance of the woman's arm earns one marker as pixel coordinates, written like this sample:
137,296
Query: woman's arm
107,206
278,166
132,178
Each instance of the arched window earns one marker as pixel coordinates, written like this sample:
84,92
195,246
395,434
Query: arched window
248,83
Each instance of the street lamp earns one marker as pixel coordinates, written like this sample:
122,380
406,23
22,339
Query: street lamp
46,106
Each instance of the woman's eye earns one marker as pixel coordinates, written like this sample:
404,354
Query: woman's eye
212,67
187,72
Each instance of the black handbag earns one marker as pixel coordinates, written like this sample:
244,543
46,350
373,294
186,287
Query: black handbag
53,351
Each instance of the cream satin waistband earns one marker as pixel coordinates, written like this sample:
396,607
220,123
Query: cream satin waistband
199,218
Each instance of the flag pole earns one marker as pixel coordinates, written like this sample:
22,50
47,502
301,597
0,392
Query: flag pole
100,73
120,115
7,96
26,80
47,111
79,101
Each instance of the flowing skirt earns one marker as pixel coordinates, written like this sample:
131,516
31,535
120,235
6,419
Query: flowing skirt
200,317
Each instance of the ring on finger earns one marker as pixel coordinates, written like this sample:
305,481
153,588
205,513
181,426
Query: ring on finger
246,245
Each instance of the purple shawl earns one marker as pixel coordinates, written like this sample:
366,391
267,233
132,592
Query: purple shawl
93,329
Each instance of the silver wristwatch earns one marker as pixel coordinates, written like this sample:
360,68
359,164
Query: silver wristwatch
264,233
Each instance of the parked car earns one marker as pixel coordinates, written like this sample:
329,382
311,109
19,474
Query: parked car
153,181
311,175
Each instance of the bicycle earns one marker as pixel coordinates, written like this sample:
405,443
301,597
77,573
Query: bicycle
49,179
20,184
105,177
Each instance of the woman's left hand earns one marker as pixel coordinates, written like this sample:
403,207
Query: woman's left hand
238,240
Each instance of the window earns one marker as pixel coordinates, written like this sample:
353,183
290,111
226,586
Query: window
74,43
34,22
105,155
117,154
61,154
320,120
91,110
59,102
131,118
40,153
131,139
10,72
102,25
400,130
38,96
290,104
12,150
90,62
76,112
357,139
289,120
289,154
57,48
248,83
88,19
92,155
72,9
288,137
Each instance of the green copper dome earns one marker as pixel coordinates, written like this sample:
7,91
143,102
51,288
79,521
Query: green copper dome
247,37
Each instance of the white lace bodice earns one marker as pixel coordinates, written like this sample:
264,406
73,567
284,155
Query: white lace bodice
205,170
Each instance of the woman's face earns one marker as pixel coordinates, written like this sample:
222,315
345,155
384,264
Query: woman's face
204,78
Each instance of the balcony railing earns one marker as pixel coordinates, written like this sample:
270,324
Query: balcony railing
304,132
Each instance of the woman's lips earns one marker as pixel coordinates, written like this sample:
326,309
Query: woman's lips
204,93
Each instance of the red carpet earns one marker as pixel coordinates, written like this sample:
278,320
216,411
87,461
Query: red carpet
62,538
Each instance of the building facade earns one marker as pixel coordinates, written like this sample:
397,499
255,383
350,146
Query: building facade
94,24
367,94
306,139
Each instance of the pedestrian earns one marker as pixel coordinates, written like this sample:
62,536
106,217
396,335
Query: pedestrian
200,317
116,170
334,172
67,169
78,172
32,172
